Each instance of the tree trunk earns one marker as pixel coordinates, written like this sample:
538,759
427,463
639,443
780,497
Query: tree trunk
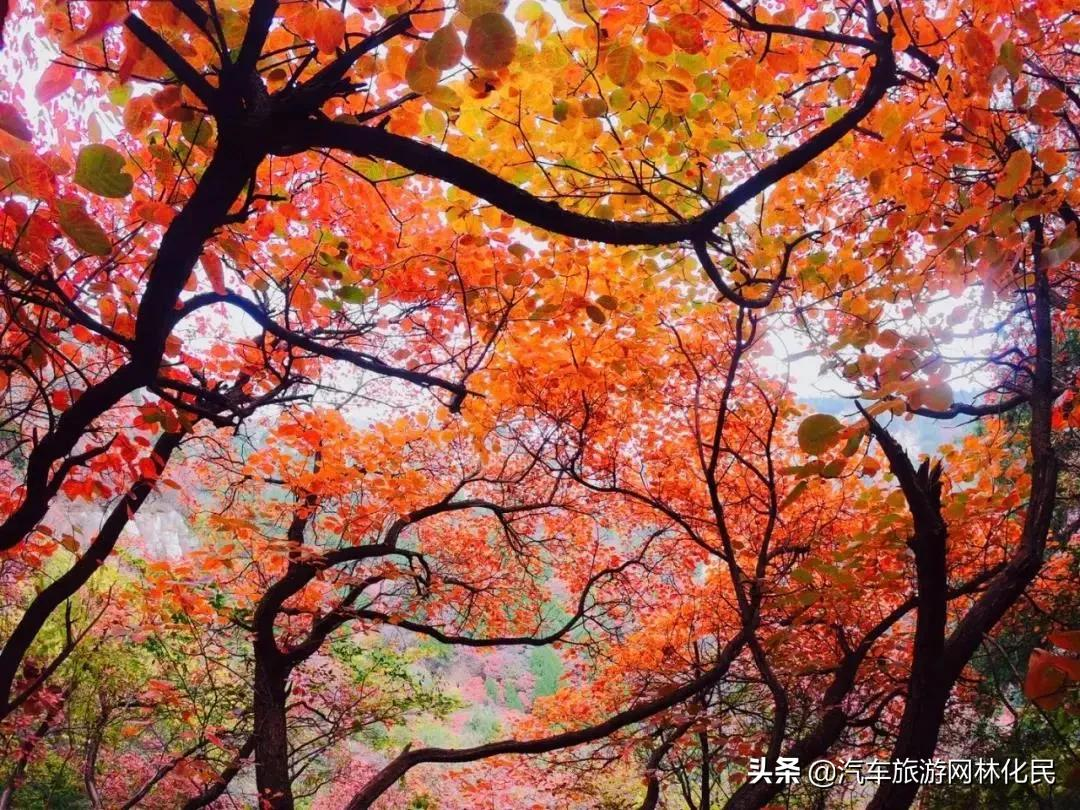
271,740
937,667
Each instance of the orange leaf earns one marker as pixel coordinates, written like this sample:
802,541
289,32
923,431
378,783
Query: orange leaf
1051,99
153,211
103,16
1017,171
33,175
54,81
623,65
686,31
138,114
980,48
329,30
1052,161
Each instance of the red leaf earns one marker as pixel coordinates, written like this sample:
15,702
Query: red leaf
147,468
55,80
214,272
1048,678
12,122
659,41
1066,639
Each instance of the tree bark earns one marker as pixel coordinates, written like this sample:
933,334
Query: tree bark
926,700
271,736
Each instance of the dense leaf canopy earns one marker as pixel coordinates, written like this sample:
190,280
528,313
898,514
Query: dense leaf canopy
462,344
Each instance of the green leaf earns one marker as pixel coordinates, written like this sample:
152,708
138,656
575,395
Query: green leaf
818,433
802,575
443,51
352,294
120,95
834,114
853,445
804,470
833,468
1011,58
198,131
796,491
544,311
100,169
419,75
81,229
434,122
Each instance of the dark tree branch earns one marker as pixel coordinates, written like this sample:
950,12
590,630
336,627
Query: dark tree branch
216,789
433,162
358,359
409,759
181,68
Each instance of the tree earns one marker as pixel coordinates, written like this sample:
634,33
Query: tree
578,231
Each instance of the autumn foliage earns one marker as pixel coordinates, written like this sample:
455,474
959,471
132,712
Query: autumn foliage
467,347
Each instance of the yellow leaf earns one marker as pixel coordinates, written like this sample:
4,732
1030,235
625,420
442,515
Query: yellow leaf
818,432
1017,171
623,65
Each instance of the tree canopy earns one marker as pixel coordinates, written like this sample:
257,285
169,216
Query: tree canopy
458,341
